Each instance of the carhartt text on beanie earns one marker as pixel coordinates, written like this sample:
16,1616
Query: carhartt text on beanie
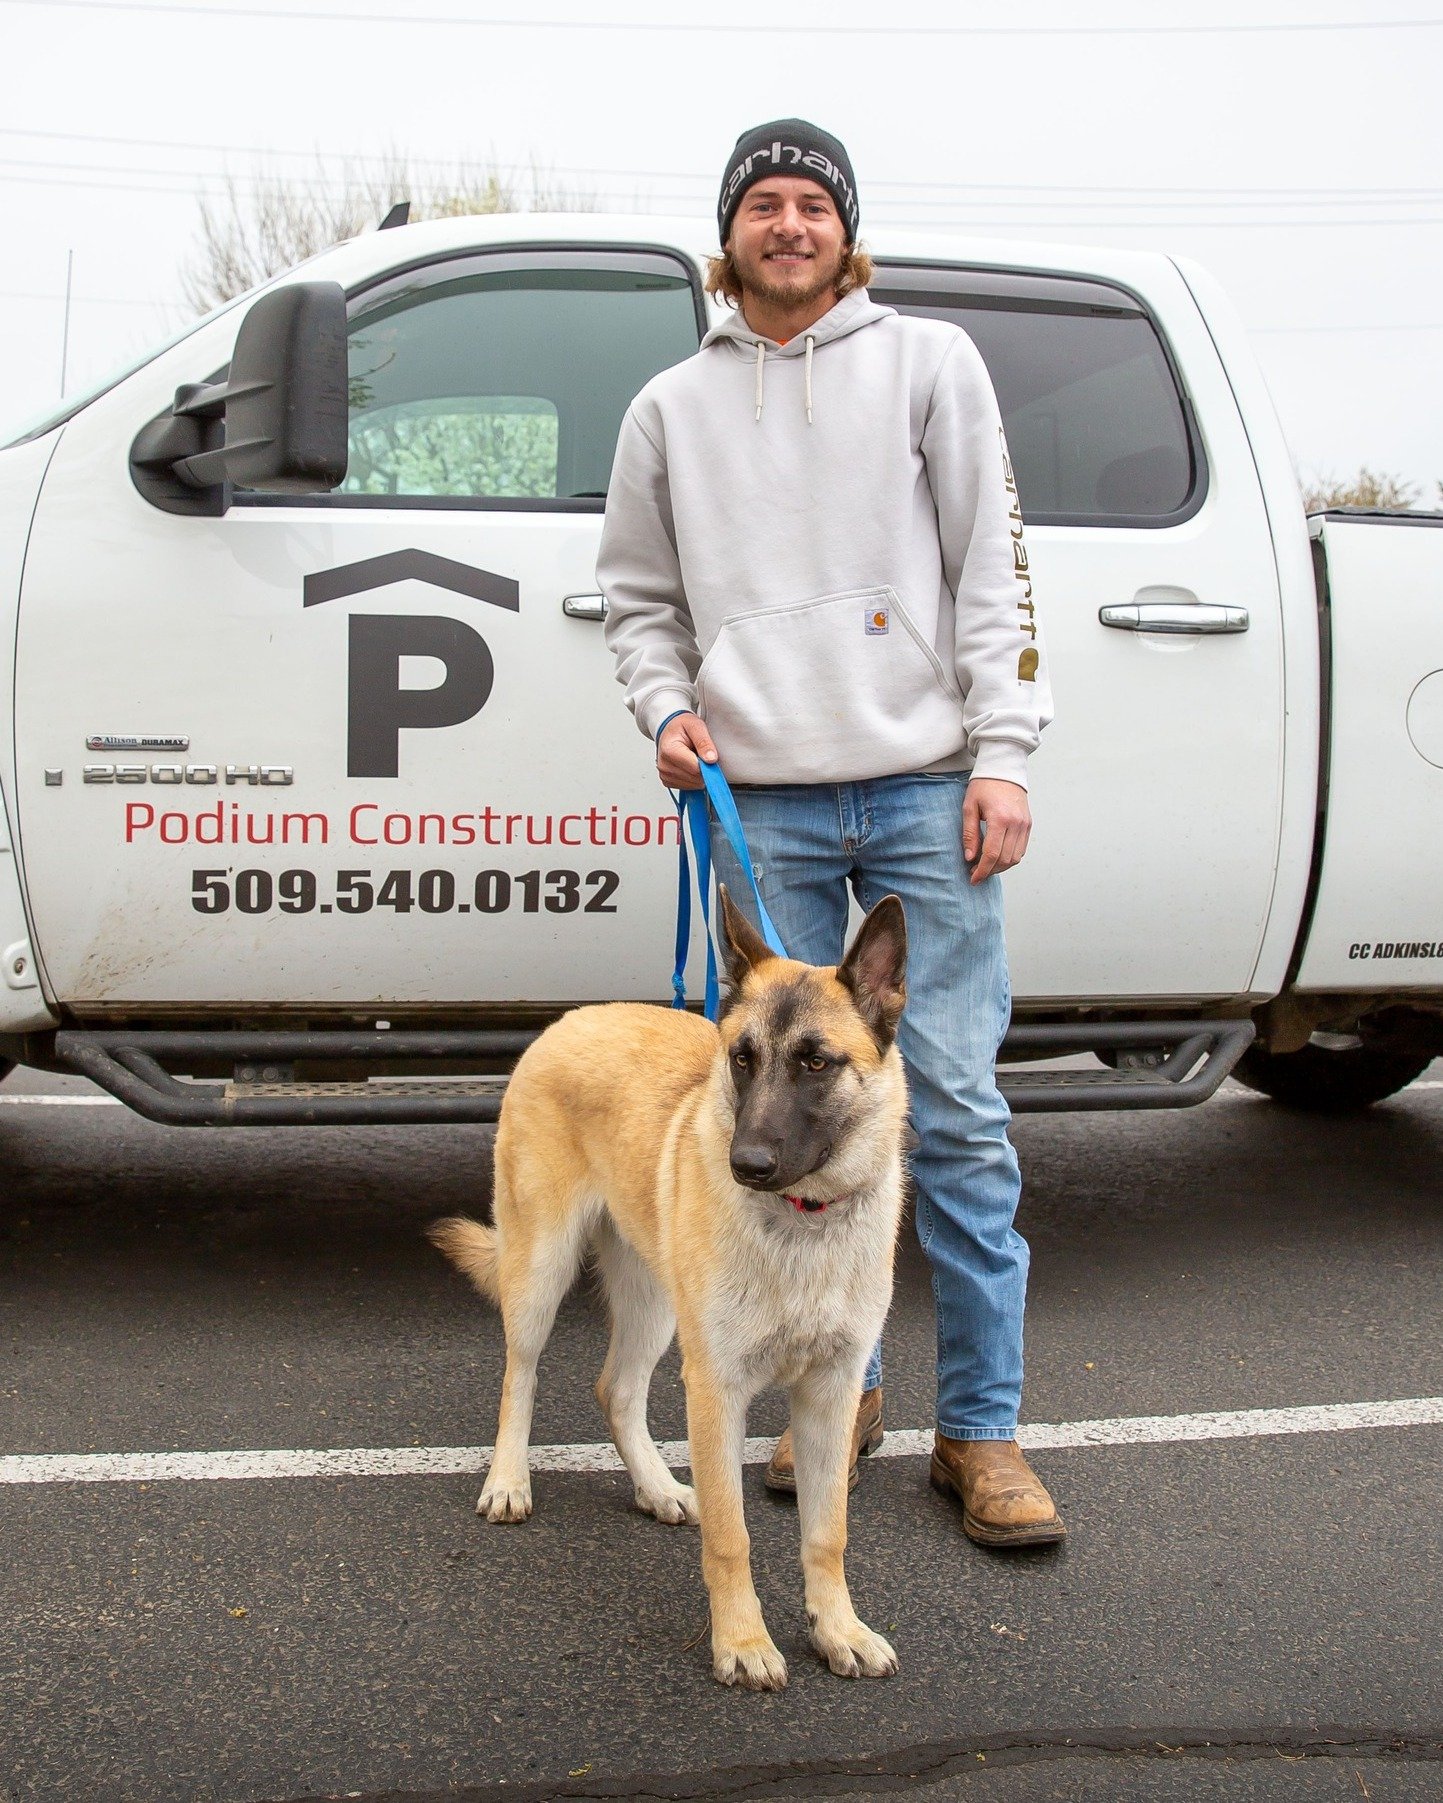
788,147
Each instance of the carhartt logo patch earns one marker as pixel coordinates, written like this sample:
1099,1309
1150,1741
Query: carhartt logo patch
879,620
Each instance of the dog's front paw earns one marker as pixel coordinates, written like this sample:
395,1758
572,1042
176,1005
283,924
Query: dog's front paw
676,1504
854,1651
753,1664
502,1501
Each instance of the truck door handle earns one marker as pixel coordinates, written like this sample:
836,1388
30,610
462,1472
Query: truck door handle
584,607
1175,616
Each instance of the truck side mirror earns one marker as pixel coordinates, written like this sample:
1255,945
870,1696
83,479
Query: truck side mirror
276,421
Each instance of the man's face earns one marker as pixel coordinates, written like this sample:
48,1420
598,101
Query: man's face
788,241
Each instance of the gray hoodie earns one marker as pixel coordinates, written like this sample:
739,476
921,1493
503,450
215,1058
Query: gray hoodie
817,547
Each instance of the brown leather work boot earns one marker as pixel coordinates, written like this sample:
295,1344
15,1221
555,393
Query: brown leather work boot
866,1437
1003,1501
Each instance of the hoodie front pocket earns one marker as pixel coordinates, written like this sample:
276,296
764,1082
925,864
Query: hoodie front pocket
837,688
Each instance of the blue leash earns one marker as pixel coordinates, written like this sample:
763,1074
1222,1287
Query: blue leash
692,809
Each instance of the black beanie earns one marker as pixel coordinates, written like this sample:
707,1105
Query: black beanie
788,147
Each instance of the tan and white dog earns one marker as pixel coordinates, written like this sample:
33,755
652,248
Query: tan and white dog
740,1184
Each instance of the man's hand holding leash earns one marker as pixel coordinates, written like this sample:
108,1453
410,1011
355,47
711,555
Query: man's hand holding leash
683,741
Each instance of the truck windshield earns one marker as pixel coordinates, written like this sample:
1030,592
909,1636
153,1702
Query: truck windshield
38,426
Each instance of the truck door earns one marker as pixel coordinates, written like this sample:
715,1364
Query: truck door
1157,790
364,749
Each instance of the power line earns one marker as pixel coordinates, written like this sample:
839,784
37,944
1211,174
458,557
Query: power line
690,28
958,224
964,197
60,168
974,196
961,207
1425,197
46,181
702,206
963,202
1138,225
84,300
408,165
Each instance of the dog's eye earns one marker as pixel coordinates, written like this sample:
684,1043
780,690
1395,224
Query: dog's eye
817,1063
741,1060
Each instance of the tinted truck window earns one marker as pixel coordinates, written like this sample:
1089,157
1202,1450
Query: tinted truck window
506,376
1095,422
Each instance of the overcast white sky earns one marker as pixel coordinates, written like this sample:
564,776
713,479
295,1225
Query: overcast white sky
1301,164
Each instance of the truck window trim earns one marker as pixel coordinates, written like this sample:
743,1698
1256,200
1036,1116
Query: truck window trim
1007,289
1378,516
461,503
519,256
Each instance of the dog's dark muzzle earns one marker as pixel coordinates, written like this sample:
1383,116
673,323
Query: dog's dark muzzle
763,1167
780,1137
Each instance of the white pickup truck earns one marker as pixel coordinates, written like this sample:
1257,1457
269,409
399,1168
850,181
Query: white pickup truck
321,797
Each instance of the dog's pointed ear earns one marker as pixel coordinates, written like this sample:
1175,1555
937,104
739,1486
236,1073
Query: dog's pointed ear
744,946
874,970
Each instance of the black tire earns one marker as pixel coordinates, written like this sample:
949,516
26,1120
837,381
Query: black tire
1329,1082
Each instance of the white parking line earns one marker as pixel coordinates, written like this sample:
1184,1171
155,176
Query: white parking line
61,1101
432,1461
1240,1093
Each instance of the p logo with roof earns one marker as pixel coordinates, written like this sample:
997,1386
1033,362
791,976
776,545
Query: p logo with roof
379,708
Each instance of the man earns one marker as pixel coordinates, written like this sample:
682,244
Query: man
809,559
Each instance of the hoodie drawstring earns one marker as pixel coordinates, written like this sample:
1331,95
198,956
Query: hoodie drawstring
806,375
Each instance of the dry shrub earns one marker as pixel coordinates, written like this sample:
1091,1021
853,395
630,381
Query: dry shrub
1369,488
263,224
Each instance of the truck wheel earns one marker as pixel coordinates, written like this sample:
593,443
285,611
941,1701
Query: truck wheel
1329,1082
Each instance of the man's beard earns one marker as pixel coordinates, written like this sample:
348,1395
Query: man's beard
756,279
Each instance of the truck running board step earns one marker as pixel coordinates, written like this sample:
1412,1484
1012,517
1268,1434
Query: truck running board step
1165,1064
262,1092
1161,1064
435,1088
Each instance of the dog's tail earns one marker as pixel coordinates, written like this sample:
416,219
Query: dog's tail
472,1249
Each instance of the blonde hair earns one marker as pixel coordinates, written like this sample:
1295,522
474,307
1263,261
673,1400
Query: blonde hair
723,282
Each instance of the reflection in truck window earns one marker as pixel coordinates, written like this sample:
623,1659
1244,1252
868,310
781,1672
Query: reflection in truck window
507,382
1094,419
453,445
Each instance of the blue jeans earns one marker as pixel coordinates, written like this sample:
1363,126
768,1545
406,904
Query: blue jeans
902,835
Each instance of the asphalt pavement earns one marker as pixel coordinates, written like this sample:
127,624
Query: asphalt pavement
1253,1616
